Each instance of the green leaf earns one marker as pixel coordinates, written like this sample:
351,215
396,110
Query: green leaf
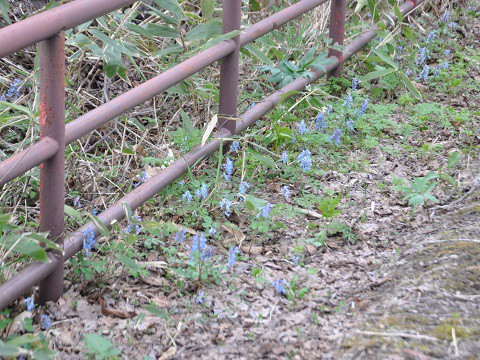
8,350
162,30
24,245
21,108
386,58
4,10
376,74
99,346
217,39
72,212
207,8
205,31
4,219
410,86
398,14
43,354
100,226
453,159
156,311
265,159
416,199
253,49
172,6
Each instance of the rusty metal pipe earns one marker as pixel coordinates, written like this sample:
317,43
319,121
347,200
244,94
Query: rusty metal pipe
337,32
25,160
43,26
52,171
228,98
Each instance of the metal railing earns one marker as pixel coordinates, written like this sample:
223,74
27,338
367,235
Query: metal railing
48,29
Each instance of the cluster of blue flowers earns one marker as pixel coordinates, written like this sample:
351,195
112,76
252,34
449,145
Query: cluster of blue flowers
279,285
180,235
45,322
202,193
320,121
424,73
295,260
265,210
242,189
285,191
302,129
137,226
336,136
88,241
30,304
199,246
304,160
228,166
284,156
200,297
187,196
13,91
235,146
141,178
232,255
226,205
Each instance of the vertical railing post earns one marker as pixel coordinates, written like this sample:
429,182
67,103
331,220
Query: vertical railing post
52,171
337,32
231,20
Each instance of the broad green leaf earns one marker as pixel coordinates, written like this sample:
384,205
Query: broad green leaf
207,8
174,49
8,350
409,85
162,31
386,58
398,14
4,219
44,354
360,4
376,74
100,226
172,6
151,308
72,212
416,199
218,39
205,31
99,346
265,159
21,244
21,108
4,10
253,48
139,30
453,159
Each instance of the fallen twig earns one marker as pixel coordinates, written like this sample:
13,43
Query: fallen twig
403,335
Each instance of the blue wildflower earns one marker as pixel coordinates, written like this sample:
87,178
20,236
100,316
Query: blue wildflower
348,101
137,219
202,192
447,52
423,55
285,191
279,285
363,108
251,105
336,136
265,210
232,255
243,187
76,202
408,73
320,121
284,156
445,17
30,304
199,245
180,235
355,84
181,183
304,160
445,65
399,49
295,260
430,37
45,322
350,124
141,178
88,241
329,109
424,73
228,166
187,196
452,25
302,129
212,231
226,205
94,212
200,297
234,146
13,91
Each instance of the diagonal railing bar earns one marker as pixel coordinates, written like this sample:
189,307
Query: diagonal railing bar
30,276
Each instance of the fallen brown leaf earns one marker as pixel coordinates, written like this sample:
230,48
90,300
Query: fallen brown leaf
114,312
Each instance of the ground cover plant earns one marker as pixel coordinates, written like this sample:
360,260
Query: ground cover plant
287,243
